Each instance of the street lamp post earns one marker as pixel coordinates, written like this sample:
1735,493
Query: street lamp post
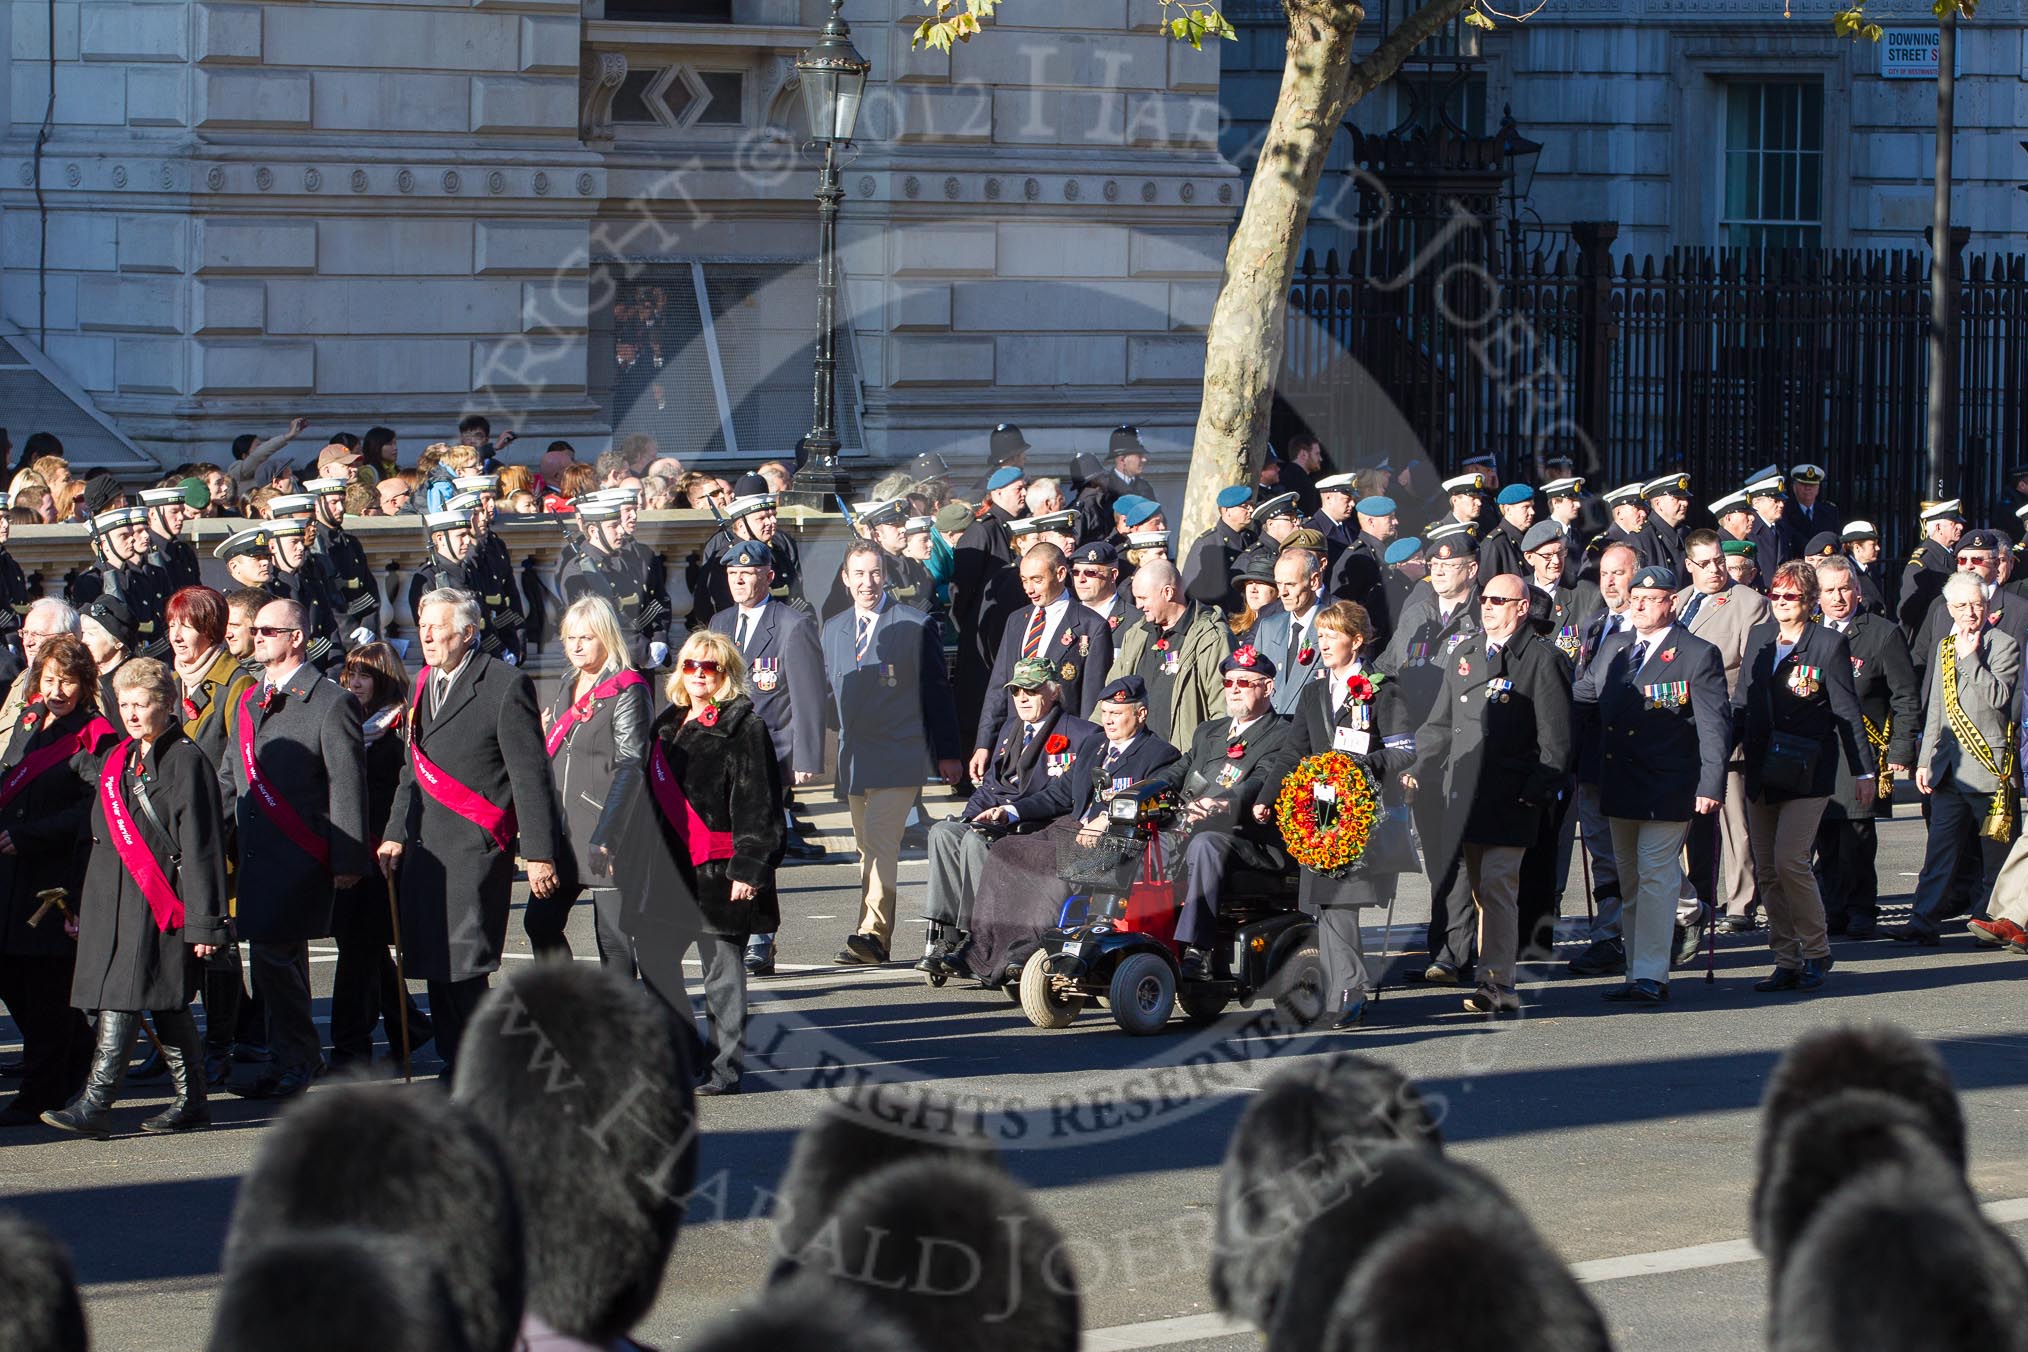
833,75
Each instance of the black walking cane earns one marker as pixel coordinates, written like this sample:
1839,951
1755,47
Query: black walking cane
400,977
1711,920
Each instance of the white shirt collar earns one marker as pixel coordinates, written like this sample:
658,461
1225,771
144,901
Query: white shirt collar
1656,639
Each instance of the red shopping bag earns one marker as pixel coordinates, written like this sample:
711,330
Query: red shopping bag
1152,904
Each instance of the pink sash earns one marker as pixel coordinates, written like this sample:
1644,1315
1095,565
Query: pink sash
705,844
135,856
35,763
605,689
496,821
277,807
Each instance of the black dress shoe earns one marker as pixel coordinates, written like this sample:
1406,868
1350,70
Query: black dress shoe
286,1084
1486,1000
1861,929
1909,934
1196,964
1689,943
802,851
1640,991
1606,957
1783,979
19,1114
1736,924
1811,976
861,950
1441,974
717,1088
1352,1015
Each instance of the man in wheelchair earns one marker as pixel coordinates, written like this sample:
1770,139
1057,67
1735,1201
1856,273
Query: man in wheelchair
1223,778
1019,897
1039,743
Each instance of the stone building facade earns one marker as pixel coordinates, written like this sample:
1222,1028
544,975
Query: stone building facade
590,216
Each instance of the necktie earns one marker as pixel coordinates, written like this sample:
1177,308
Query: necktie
1690,611
1027,736
739,639
865,636
1295,646
1638,660
1112,754
1034,639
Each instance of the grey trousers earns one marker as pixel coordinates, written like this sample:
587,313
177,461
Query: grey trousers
1344,954
724,966
957,860
281,978
1605,873
616,949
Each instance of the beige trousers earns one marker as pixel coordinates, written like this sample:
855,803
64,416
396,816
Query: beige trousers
2010,889
878,818
1649,857
1784,834
1735,847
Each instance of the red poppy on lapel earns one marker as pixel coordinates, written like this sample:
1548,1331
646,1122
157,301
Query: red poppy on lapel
1067,637
1056,745
1464,666
1306,656
1161,645
1668,654
709,718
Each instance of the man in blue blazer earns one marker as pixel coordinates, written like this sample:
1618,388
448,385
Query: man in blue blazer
1653,701
785,679
896,717
1040,742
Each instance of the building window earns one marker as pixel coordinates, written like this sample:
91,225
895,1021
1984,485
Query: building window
1774,165
671,11
715,359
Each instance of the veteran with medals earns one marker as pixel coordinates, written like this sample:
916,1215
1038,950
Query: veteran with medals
153,905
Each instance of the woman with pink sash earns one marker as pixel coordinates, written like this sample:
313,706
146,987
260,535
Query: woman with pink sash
154,903
596,732
703,841
46,781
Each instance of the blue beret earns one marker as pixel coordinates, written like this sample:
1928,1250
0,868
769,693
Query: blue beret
1236,496
1126,690
747,554
1513,495
1004,477
1126,502
1654,575
1374,506
1402,550
1143,511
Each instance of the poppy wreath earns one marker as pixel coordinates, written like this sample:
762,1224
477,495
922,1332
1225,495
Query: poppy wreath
1333,852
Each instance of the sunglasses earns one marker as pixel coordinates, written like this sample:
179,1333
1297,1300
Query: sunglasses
274,630
691,666
1241,683
1503,600
1784,596
1089,572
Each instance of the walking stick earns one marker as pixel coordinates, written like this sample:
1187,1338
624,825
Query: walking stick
1584,857
1711,920
400,981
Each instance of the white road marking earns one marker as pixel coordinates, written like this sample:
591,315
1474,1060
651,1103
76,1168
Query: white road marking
1191,1328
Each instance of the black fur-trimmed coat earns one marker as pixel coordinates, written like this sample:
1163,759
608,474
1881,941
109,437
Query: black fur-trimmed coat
730,774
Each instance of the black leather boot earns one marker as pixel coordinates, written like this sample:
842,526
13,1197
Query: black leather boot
183,1054
91,1113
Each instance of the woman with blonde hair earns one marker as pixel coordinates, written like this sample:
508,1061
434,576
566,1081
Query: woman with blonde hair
709,826
597,733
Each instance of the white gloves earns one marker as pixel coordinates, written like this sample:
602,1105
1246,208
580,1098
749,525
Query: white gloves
658,653
362,635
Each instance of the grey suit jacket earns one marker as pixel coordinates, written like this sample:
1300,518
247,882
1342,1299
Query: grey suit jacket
1989,685
1271,640
1724,621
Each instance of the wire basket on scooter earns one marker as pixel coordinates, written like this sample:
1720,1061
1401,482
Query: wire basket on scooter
1111,864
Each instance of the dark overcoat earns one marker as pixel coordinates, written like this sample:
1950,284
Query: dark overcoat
1769,699
1391,749
46,820
785,679
595,767
454,882
1890,697
1497,754
209,704
1238,782
893,705
730,775
1659,736
308,744
1079,647
124,960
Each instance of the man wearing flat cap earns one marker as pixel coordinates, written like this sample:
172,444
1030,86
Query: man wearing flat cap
1208,570
1225,774
1668,500
1943,524
1500,543
984,587
1041,741
1654,701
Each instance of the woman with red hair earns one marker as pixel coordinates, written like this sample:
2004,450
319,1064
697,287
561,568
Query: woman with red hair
209,678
